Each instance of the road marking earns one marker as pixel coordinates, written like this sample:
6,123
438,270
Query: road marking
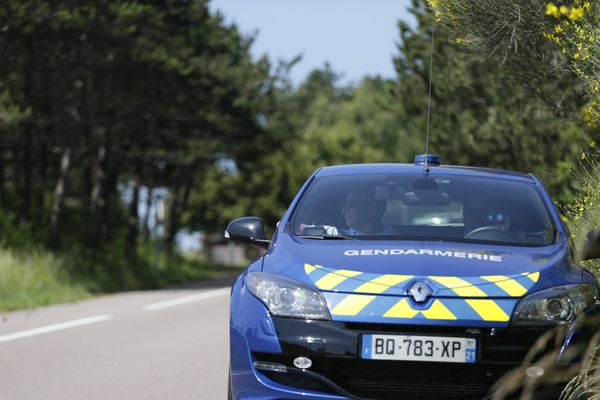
54,327
187,299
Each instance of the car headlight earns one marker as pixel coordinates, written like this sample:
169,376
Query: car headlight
554,306
286,297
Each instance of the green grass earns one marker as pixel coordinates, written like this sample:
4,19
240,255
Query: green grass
35,279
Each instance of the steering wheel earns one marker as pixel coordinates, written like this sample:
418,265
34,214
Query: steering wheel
497,233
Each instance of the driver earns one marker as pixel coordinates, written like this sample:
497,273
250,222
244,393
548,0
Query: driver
363,213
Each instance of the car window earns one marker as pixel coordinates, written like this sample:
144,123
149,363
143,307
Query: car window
425,207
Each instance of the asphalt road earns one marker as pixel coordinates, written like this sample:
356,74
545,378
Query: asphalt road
167,344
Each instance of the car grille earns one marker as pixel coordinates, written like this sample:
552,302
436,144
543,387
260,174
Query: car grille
415,390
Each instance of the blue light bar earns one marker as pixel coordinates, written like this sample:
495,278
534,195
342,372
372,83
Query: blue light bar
431,159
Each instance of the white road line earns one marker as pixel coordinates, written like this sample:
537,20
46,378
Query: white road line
187,299
54,327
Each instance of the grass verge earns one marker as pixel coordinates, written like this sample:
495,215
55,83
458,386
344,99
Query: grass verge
34,278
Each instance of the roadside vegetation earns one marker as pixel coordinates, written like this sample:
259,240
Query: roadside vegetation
536,42
124,123
540,41
583,214
35,277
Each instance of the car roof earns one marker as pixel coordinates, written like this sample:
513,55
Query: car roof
456,170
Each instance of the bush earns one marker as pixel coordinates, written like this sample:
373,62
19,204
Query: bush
583,214
32,277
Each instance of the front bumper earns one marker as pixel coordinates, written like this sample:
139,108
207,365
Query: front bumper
263,349
337,370
334,349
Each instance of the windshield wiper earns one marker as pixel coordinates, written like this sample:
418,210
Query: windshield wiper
328,237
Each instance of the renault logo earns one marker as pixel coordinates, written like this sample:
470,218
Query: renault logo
420,291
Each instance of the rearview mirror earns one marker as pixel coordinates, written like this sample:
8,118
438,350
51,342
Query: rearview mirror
426,198
248,230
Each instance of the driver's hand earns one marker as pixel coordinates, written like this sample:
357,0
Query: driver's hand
331,230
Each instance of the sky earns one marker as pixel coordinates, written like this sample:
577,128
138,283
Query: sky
357,37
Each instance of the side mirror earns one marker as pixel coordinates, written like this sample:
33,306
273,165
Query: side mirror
591,246
248,230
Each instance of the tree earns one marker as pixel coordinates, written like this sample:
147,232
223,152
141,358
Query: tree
481,113
119,96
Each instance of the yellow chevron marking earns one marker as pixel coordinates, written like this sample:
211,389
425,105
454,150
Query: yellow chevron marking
309,268
352,304
459,286
510,286
534,276
382,283
438,311
488,310
401,310
333,279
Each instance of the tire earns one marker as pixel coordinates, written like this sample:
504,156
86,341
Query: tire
229,394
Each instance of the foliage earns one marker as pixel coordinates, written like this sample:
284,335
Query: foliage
482,114
35,278
521,34
103,103
121,94
577,33
101,100
509,30
586,383
543,42
318,124
583,214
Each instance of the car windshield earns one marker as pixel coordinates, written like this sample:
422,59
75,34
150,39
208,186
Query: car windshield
424,207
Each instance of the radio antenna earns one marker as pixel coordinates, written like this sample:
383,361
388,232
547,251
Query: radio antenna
426,164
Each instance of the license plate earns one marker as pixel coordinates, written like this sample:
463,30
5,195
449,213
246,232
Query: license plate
419,348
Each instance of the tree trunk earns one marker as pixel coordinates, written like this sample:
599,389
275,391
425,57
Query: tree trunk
100,193
41,187
45,133
133,223
146,223
25,198
16,176
59,195
27,144
2,177
97,177
104,225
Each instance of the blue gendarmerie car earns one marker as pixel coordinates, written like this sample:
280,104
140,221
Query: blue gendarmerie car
405,281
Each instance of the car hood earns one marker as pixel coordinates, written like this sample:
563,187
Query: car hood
382,280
